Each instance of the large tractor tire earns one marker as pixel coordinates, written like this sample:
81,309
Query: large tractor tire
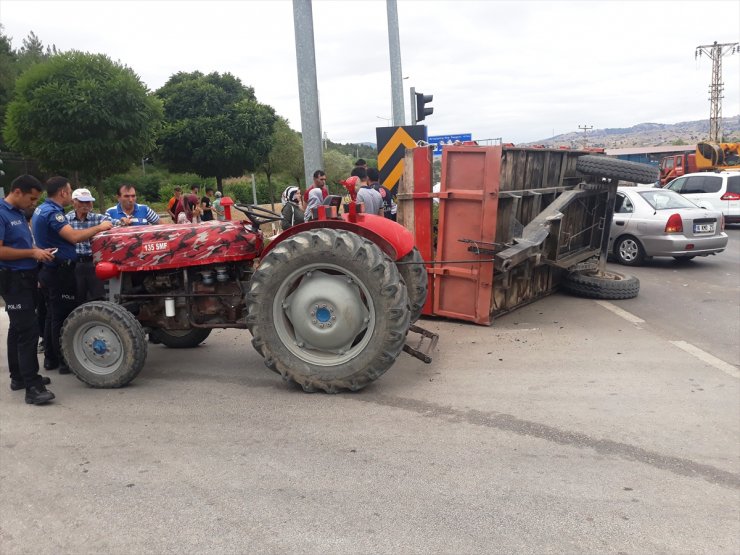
180,339
103,344
328,310
613,168
607,286
414,273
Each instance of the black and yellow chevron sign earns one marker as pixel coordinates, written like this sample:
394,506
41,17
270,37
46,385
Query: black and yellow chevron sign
392,145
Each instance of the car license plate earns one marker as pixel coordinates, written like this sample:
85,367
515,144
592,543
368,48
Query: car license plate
703,228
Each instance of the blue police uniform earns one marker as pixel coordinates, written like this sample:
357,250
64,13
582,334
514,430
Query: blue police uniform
57,276
48,220
18,287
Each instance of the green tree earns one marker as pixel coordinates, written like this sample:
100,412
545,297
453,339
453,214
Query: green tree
354,150
32,51
286,156
214,126
337,167
82,112
7,73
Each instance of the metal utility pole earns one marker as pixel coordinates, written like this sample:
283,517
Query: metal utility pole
585,129
412,104
715,52
307,87
394,46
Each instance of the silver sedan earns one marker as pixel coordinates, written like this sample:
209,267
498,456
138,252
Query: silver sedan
658,222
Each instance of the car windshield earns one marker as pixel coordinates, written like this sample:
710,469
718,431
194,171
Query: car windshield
662,199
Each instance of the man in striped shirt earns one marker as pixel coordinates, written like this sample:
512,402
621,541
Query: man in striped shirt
130,213
89,287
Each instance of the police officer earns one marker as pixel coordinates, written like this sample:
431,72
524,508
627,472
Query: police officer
52,230
18,286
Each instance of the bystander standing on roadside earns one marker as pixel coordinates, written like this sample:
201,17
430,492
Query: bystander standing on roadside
319,182
315,198
206,207
292,213
52,230
128,212
192,211
218,209
175,204
19,261
89,286
373,177
366,194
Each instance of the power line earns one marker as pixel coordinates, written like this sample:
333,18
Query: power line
715,52
585,129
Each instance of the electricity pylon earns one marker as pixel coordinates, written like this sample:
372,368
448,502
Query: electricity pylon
715,52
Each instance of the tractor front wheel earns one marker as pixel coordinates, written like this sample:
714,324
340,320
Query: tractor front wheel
103,344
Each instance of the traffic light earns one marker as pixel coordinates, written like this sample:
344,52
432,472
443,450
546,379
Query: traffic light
421,110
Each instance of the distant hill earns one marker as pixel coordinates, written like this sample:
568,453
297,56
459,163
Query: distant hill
646,134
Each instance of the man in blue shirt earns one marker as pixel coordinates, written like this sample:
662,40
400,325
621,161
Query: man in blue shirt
52,230
18,286
130,213
89,286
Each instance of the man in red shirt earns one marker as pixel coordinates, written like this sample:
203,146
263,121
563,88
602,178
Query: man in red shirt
319,182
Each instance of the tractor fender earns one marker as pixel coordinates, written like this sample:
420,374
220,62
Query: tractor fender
391,237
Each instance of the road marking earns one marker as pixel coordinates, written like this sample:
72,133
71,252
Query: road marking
712,360
621,313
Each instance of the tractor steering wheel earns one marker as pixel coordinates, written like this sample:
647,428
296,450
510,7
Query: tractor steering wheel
258,215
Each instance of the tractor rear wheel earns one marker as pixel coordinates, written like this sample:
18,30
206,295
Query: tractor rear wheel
414,273
328,310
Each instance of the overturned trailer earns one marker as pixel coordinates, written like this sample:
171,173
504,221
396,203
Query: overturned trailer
512,225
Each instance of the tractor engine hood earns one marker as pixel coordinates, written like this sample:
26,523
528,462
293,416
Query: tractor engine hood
142,248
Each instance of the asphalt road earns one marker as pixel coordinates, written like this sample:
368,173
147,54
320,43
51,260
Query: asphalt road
696,301
569,426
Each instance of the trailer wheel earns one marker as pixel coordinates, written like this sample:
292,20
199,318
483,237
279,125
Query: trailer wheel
103,344
180,339
608,286
612,168
328,310
414,273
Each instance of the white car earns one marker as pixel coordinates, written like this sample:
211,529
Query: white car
658,222
712,190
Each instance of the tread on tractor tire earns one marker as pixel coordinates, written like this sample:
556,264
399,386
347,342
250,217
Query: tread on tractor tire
103,344
606,286
612,168
180,339
328,310
414,273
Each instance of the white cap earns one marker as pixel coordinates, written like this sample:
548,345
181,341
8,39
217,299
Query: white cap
82,195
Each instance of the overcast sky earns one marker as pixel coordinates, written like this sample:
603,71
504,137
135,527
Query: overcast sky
519,70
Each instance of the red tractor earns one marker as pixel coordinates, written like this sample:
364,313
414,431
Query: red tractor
328,302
